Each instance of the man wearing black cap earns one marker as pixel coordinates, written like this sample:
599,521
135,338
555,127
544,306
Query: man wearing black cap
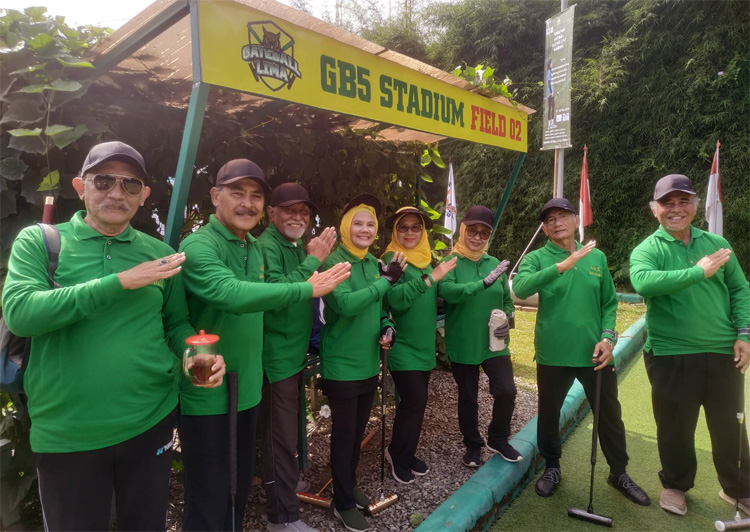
573,339
286,336
227,295
698,319
101,376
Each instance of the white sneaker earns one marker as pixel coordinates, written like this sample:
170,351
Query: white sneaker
297,526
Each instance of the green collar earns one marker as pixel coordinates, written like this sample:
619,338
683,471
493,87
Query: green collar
84,231
281,239
665,235
553,248
220,228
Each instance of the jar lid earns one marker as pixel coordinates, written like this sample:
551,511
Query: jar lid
202,339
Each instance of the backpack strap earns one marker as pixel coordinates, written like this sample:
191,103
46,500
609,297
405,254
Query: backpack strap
51,236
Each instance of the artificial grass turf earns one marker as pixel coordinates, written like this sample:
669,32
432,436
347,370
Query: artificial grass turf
529,512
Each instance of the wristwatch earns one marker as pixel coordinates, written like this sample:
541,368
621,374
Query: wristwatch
611,341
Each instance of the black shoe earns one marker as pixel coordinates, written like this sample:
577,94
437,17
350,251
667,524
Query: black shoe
630,489
418,467
548,482
473,458
506,451
400,474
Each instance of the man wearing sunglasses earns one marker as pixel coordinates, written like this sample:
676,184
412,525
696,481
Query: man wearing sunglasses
100,381
574,339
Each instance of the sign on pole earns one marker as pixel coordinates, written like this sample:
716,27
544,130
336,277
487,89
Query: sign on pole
558,56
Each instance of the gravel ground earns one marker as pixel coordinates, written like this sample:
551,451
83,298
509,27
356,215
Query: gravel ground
440,446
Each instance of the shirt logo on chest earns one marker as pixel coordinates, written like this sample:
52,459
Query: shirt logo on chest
595,270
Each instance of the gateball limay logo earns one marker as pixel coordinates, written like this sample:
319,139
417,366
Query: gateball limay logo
270,55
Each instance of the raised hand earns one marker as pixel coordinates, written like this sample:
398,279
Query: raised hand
711,263
324,282
147,272
495,274
443,268
320,246
392,271
576,256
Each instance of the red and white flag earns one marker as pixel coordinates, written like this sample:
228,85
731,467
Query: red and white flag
584,202
714,214
450,203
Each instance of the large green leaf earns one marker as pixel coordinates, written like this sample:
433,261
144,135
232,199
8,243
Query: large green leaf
28,144
12,168
34,88
50,181
439,244
72,62
425,159
65,85
439,229
425,177
40,41
14,46
22,132
56,129
32,68
22,112
69,136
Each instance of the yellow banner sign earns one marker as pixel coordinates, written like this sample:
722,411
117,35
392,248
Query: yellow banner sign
251,51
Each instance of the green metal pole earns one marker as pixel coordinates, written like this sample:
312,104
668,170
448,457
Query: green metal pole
190,138
506,193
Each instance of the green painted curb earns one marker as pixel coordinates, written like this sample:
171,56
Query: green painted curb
629,298
476,504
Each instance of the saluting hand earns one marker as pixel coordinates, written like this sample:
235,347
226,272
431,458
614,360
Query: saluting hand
443,268
147,272
711,263
324,282
320,246
576,256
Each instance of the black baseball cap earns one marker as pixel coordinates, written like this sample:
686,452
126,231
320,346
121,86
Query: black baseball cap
114,151
403,211
672,183
237,169
367,199
287,194
556,203
478,214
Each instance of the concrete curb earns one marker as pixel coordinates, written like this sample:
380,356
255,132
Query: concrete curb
489,491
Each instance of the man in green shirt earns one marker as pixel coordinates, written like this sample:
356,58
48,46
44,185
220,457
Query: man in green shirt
698,319
574,338
102,374
227,295
286,338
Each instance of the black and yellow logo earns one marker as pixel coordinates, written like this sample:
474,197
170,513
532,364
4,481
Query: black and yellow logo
270,55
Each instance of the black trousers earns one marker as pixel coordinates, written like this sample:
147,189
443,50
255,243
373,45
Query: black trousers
204,441
407,424
76,488
349,415
680,385
553,383
499,371
279,422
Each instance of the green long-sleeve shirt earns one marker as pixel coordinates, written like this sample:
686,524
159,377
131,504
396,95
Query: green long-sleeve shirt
354,317
574,306
103,366
414,309
286,331
468,306
224,279
685,311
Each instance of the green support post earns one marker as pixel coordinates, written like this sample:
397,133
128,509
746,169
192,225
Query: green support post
506,193
190,137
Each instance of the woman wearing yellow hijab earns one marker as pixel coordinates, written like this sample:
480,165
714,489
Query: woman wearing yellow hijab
413,305
354,330
477,286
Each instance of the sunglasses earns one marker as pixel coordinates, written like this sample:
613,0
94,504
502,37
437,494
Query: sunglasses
106,182
416,228
484,235
562,217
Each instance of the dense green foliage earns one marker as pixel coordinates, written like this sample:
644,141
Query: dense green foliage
655,85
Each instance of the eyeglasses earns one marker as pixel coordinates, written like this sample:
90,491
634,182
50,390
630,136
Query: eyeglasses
416,228
484,234
106,182
551,220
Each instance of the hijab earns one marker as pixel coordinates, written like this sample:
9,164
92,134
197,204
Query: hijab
462,249
420,256
346,225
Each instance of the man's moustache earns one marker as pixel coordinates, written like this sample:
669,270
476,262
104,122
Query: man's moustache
118,206
246,212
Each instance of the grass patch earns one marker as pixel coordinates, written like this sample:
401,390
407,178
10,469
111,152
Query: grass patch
522,340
